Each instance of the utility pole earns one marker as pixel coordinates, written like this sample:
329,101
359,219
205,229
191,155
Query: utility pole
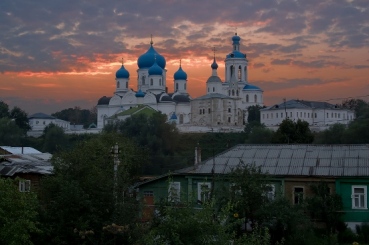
115,153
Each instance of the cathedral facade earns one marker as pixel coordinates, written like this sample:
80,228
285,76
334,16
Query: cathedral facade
224,104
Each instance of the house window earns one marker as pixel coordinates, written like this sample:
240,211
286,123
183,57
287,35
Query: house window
247,98
298,195
255,98
270,193
24,185
291,114
203,191
359,197
148,193
174,191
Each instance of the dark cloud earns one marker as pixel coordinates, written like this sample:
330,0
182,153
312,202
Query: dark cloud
284,83
361,66
258,65
33,32
308,64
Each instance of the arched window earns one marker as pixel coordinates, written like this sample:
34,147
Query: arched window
200,112
151,81
176,86
238,92
209,111
143,80
229,92
208,89
118,84
185,86
231,67
255,98
239,73
126,84
247,98
229,109
213,89
160,82
233,92
203,111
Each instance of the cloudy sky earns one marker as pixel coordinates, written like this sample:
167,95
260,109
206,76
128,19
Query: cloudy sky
64,53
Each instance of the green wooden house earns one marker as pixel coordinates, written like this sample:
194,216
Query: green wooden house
293,169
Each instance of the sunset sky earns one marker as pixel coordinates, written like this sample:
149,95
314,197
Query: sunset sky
64,53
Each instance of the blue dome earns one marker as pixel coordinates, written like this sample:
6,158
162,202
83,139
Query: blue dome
214,66
236,54
251,87
148,59
122,73
173,117
180,74
155,69
236,39
140,94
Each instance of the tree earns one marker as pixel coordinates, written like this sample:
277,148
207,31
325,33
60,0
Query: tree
20,117
325,207
360,107
332,135
77,115
260,135
153,133
249,187
54,139
253,113
10,133
4,109
293,132
18,219
83,196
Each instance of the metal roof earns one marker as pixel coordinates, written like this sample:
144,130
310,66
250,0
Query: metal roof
20,150
25,163
291,160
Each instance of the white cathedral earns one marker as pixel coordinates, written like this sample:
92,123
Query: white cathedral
224,106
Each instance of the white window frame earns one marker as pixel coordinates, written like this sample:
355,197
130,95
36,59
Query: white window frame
357,196
174,191
200,195
24,185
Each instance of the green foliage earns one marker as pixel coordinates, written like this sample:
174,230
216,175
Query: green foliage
77,115
293,132
360,107
333,135
4,109
260,135
54,139
10,133
249,188
253,113
82,195
363,232
20,117
18,214
325,207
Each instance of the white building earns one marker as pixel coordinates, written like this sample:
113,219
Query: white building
39,121
225,102
319,115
